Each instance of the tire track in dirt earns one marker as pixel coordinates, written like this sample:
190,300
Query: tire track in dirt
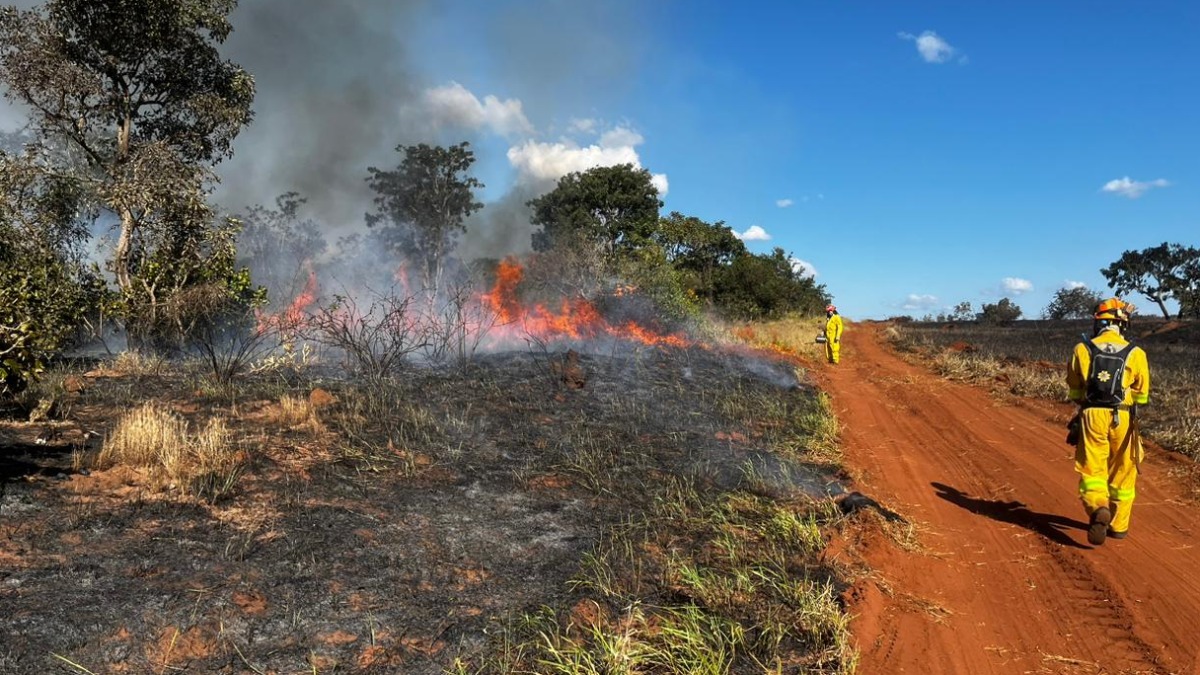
1005,581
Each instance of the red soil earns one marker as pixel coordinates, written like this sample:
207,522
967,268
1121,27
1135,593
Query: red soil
1005,581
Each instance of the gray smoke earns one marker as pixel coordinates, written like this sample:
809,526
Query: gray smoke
337,91
502,227
332,84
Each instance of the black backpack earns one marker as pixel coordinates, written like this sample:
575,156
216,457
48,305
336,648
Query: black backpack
1106,376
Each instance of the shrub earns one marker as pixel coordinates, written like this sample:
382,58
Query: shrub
1003,312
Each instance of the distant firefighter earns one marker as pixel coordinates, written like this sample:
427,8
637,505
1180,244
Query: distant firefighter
1109,378
833,334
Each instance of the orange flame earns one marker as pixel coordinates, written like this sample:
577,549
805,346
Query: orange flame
293,316
576,319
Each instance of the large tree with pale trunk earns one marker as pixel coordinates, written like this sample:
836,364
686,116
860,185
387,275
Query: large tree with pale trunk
137,92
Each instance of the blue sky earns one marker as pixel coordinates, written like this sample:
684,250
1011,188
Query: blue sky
931,152
914,154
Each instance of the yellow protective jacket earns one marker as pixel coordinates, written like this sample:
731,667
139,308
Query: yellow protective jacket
1137,370
833,328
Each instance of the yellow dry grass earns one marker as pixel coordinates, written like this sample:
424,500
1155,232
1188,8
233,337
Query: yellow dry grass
205,462
296,411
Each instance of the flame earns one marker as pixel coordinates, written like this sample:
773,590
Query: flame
294,315
401,278
503,298
576,319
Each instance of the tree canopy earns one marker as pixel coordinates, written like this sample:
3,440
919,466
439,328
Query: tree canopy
699,250
1003,312
138,93
614,208
421,204
1159,273
1073,303
767,286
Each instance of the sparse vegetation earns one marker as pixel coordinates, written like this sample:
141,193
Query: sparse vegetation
1029,359
689,512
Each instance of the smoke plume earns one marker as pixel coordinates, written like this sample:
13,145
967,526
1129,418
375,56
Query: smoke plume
332,82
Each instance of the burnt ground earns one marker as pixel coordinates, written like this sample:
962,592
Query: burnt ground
400,528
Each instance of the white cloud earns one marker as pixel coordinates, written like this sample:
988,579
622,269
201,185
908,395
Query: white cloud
544,162
537,162
1016,285
932,47
1072,285
783,203
660,183
804,268
916,301
585,125
455,105
1133,189
754,233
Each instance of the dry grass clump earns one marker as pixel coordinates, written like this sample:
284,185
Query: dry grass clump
296,411
790,336
205,463
132,362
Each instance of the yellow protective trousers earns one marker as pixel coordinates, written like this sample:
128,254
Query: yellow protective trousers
1107,459
833,338
832,351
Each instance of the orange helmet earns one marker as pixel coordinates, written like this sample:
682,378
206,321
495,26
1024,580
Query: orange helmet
1113,309
831,308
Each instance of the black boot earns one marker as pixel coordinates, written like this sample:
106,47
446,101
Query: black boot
1098,528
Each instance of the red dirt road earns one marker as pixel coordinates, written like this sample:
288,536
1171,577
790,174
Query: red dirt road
1005,581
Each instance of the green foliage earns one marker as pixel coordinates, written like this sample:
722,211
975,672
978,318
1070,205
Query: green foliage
661,285
1159,273
963,312
188,286
421,205
48,292
610,209
1073,303
136,92
698,250
1003,312
766,286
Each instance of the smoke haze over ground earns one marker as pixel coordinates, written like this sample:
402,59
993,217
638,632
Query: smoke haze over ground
341,84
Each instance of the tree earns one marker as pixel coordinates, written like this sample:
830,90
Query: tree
1159,273
766,286
1187,290
1073,303
1003,312
137,90
48,291
963,312
422,204
698,250
611,209
186,281
280,248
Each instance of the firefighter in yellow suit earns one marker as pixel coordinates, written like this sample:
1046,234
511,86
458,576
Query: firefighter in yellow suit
1109,449
833,334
